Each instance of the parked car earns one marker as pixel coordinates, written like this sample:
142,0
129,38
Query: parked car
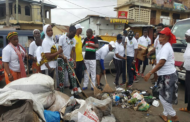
108,58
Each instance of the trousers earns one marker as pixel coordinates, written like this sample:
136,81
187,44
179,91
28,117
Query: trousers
129,71
124,70
78,71
118,67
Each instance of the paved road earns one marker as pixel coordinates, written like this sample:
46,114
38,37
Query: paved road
129,115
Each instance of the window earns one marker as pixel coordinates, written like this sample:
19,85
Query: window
19,9
47,14
1,42
27,10
2,11
164,14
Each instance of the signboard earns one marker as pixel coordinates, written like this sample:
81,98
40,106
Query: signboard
165,20
122,14
179,6
119,21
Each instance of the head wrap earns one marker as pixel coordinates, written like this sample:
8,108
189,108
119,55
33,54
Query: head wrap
45,29
188,32
36,30
166,31
11,35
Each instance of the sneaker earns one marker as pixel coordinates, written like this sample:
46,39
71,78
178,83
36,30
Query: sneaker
84,88
114,83
129,86
72,92
117,87
136,81
79,90
101,84
139,74
99,87
92,89
122,84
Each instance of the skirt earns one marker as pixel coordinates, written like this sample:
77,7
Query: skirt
16,75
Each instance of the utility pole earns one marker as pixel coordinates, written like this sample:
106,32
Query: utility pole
42,5
139,10
17,10
7,13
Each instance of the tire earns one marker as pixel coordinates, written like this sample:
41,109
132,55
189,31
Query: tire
111,69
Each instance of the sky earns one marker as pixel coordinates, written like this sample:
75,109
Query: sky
63,16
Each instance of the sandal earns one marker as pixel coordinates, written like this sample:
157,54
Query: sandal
184,110
165,118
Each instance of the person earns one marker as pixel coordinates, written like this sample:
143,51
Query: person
156,49
168,78
100,56
32,50
67,43
50,51
137,60
12,57
137,36
90,58
124,61
132,47
146,42
117,59
79,56
186,65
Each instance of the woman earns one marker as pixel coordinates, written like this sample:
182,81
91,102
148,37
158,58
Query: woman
168,91
186,65
50,51
117,59
13,55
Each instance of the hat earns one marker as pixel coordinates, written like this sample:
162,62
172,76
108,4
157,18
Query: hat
77,26
119,36
112,43
166,31
188,32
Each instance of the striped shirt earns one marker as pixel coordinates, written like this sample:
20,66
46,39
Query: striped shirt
90,51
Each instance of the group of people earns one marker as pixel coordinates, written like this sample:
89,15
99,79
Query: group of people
66,54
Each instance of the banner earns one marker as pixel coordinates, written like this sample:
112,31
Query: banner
122,14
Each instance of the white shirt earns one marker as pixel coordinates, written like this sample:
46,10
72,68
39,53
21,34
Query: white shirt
157,45
32,49
119,49
102,52
46,47
67,45
10,56
38,54
167,54
187,58
131,46
144,41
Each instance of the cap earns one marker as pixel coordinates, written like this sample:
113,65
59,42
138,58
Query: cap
166,31
112,43
188,32
119,36
77,26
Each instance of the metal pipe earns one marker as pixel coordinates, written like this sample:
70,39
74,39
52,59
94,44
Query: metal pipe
17,10
7,13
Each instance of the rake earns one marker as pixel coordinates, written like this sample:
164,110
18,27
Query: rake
96,90
78,81
107,87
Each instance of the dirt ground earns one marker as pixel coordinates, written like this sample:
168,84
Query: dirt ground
129,115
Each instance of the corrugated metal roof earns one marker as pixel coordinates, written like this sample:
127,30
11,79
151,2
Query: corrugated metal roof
140,25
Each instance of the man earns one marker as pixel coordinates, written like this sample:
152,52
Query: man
32,50
124,61
137,36
79,56
67,43
100,56
137,61
90,58
132,47
157,47
146,42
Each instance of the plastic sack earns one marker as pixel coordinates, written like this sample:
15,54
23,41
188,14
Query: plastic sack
40,85
61,101
51,116
138,96
82,118
109,119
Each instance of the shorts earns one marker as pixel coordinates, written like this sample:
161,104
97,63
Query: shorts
145,62
99,70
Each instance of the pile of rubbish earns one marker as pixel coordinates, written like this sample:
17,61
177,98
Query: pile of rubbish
33,99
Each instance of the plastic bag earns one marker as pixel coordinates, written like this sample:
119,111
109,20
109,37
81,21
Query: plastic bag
138,96
144,106
51,116
109,119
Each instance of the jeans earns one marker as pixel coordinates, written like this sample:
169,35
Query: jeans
129,71
78,71
124,70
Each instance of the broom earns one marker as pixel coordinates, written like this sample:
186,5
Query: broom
96,90
107,88
78,82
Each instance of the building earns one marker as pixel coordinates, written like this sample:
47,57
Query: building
29,14
103,25
155,11
60,29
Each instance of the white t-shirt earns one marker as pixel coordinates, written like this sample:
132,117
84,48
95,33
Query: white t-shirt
10,56
119,49
131,46
67,45
144,41
102,52
187,58
38,54
157,45
46,47
32,48
166,53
